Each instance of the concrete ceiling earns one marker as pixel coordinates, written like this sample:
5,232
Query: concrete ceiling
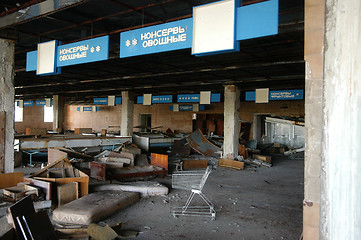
275,62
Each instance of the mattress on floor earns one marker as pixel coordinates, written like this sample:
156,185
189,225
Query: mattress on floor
94,207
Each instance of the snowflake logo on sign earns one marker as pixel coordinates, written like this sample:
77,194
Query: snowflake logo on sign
135,41
92,49
127,43
97,48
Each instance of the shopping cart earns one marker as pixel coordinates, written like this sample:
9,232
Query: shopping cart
194,181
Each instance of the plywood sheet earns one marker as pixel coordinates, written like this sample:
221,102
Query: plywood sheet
67,193
10,179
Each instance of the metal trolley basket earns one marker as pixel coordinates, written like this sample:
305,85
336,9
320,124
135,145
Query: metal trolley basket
194,181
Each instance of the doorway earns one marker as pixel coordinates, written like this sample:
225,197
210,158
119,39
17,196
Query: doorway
145,121
259,129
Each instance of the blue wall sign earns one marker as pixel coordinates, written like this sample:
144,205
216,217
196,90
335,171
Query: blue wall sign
187,107
157,99
91,50
160,38
195,98
279,95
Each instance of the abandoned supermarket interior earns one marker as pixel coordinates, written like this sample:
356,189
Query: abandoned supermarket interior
180,119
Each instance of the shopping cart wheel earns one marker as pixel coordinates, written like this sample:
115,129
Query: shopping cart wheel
175,216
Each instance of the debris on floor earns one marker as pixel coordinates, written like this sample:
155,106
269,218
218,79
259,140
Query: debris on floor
201,145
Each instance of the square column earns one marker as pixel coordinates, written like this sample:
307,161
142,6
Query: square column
126,125
58,111
231,121
7,106
340,214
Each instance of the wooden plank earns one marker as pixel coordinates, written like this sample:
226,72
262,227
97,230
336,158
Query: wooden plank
46,186
67,193
194,164
230,164
10,179
55,154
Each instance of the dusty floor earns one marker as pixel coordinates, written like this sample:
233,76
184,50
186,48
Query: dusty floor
265,204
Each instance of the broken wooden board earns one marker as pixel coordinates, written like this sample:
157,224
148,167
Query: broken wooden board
55,154
67,193
94,207
194,164
267,159
75,154
231,164
10,179
144,188
44,185
18,192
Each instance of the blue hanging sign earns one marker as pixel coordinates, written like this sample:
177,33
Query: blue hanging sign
160,38
187,107
279,95
195,98
100,101
157,99
257,20
118,100
40,103
28,103
92,50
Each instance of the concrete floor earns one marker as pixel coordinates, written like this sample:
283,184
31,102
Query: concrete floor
261,204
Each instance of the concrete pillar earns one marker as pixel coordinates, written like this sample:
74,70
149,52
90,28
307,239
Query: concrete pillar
126,126
231,121
314,39
7,106
58,111
341,164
